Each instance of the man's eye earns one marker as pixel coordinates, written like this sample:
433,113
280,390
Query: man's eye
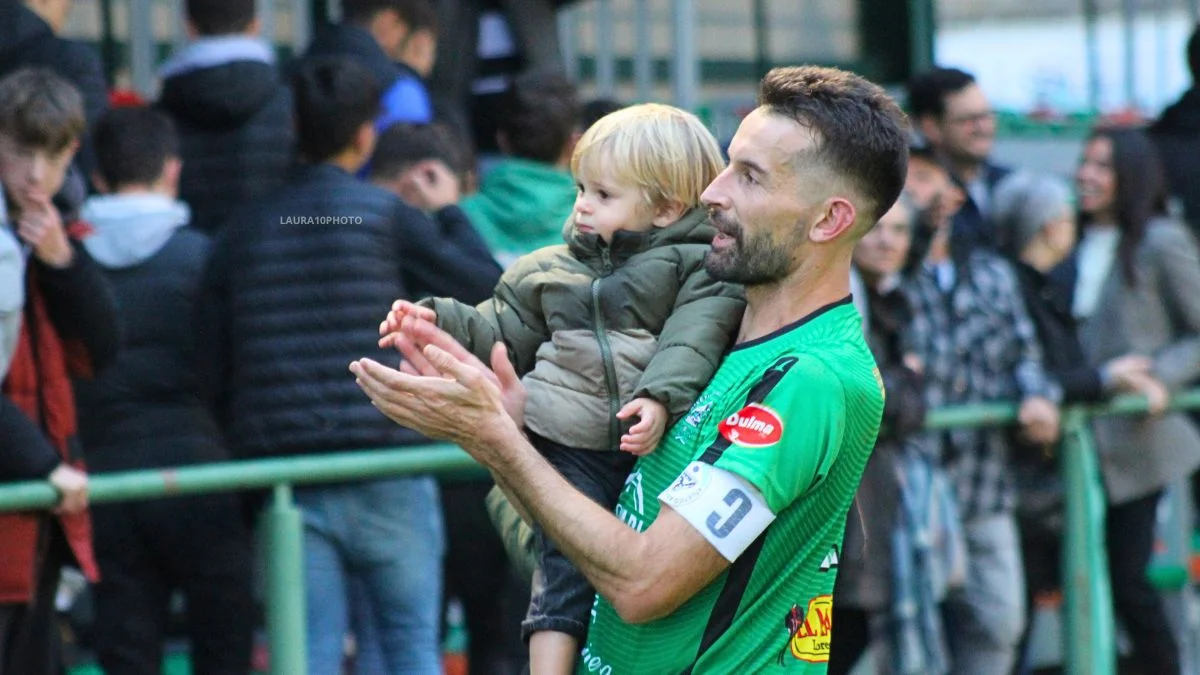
603,194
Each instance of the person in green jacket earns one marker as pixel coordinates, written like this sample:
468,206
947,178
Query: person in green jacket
524,199
620,323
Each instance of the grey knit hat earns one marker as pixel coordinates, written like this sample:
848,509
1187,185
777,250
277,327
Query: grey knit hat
1022,204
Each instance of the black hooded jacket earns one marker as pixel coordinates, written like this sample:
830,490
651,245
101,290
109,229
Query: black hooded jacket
1177,134
236,135
27,41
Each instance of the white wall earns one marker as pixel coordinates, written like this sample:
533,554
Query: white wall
1023,62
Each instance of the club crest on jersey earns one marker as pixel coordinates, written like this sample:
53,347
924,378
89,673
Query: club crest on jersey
755,426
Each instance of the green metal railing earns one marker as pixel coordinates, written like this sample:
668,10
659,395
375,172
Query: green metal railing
1089,644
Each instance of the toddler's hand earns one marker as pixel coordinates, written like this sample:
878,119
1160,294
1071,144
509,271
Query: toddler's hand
644,436
389,329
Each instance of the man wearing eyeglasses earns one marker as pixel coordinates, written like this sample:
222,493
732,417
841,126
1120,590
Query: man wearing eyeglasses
955,117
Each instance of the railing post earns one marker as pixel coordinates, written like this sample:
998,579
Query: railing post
1088,634
286,612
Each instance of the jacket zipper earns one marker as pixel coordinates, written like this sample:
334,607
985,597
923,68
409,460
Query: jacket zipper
610,369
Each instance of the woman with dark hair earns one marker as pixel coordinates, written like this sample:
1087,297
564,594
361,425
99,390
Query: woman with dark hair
1134,284
1033,223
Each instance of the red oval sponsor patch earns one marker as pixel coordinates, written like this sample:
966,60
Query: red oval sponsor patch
755,426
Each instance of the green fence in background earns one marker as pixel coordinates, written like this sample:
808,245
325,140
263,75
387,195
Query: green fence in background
1089,644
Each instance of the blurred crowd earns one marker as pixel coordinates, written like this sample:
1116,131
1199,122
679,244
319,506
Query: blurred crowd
185,281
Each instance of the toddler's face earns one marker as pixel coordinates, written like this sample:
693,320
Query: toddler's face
604,206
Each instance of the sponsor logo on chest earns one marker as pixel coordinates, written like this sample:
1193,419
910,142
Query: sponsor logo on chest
755,426
811,631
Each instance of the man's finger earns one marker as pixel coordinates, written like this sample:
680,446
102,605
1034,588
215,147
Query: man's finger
425,333
412,354
382,382
468,374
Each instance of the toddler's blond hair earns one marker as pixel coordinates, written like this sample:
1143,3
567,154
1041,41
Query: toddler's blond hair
666,152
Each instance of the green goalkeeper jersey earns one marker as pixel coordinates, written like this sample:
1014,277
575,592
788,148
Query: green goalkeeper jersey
793,414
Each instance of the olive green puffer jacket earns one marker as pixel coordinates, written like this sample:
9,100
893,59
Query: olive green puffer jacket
591,326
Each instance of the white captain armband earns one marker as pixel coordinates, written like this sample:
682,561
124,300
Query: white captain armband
725,509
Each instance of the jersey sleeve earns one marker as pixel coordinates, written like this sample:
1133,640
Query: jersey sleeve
787,434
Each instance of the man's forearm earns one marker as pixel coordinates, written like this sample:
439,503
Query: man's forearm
602,548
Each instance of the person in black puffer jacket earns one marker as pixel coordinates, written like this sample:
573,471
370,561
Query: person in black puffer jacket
145,411
1177,135
293,294
232,109
29,38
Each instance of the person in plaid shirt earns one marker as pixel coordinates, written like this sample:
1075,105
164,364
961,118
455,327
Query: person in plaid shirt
974,341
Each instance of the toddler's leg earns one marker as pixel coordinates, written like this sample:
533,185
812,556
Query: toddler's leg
561,603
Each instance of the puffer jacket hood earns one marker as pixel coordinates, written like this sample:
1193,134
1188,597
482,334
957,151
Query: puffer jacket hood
691,228
131,228
12,289
220,83
19,29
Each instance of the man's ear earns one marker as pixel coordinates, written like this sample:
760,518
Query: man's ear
68,153
172,168
930,129
254,28
668,212
364,139
100,183
837,219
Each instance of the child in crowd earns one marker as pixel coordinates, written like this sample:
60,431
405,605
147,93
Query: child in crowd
146,411
423,164
68,332
621,322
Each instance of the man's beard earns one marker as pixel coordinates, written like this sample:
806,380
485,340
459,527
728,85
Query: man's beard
753,261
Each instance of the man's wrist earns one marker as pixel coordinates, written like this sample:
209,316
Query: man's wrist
502,444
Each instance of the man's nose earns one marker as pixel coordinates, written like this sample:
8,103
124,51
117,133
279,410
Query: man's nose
714,195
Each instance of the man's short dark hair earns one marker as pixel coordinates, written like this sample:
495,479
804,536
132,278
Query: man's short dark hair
928,91
862,135
220,17
133,144
334,97
1193,53
593,110
417,14
40,109
539,115
403,145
